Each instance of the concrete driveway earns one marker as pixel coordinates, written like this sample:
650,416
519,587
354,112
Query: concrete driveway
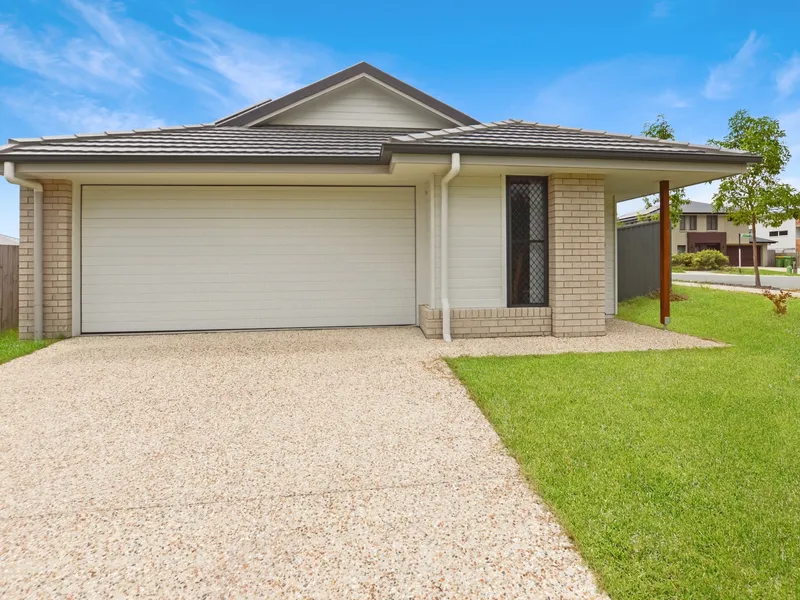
274,464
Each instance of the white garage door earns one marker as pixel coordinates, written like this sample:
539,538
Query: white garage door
175,258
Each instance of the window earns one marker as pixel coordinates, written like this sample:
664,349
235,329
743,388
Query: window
683,223
681,249
784,232
773,233
711,223
526,232
692,222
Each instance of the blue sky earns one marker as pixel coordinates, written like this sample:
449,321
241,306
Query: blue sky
83,66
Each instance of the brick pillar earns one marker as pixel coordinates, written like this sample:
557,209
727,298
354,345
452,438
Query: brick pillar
57,260
577,254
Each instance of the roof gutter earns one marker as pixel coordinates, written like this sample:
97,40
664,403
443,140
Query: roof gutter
9,171
677,156
455,169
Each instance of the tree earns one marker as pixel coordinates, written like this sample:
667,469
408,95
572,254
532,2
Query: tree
677,198
757,195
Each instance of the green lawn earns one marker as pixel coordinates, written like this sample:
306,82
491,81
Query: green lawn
676,472
751,271
11,346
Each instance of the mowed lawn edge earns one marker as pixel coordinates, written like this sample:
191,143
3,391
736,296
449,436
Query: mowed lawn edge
12,347
676,473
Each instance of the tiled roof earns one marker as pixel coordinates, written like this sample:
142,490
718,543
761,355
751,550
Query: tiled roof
691,208
296,143
209,142
505,137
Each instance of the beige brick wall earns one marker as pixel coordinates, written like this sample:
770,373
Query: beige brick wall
577,254
486,322
57,260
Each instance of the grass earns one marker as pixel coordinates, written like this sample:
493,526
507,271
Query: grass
12,347
751,271
677,473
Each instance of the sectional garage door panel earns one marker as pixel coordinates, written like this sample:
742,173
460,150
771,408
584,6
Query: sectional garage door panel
175,258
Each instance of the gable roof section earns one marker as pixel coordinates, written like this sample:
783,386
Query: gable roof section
523,138
259,112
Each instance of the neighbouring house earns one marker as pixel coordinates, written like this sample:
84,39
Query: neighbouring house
703,228
7,240
786,236
355,201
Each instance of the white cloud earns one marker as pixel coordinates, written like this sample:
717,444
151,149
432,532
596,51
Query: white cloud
75,113
112,61
788,78
637,87
660,10
75,63
727,77
256,67
671,99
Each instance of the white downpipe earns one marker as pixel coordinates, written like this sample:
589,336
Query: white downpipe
455,169
38,234
432,249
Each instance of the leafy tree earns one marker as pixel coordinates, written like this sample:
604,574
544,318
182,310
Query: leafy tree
677,198
757,195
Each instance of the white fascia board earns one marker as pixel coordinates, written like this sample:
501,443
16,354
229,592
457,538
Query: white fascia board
604,165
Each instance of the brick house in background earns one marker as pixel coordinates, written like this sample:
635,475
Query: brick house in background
703,228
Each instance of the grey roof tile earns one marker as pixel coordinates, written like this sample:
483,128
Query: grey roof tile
287,143
511,136
274,142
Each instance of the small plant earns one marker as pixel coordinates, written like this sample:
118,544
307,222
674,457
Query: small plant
779,299
673,296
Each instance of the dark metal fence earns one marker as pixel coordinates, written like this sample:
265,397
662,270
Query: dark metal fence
637,259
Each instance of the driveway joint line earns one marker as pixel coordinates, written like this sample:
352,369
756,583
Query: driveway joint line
260,497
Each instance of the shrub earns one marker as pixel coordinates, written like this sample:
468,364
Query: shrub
779,299
705,260
682,260
710,260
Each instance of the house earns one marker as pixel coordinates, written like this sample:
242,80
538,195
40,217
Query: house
703,228
7,240
786,236
355,201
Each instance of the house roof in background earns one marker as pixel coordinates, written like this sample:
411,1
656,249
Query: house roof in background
692,208
7,240
264,109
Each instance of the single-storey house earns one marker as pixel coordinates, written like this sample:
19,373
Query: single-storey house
703,228
355,201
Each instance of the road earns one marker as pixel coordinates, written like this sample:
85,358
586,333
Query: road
776,281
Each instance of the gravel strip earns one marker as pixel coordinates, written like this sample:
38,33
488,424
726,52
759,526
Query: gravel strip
313,464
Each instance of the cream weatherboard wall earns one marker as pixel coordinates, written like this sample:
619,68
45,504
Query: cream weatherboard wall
477,209
162,258
362,103
477,242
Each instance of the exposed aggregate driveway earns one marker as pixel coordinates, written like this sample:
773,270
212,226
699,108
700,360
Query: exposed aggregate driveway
313,464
